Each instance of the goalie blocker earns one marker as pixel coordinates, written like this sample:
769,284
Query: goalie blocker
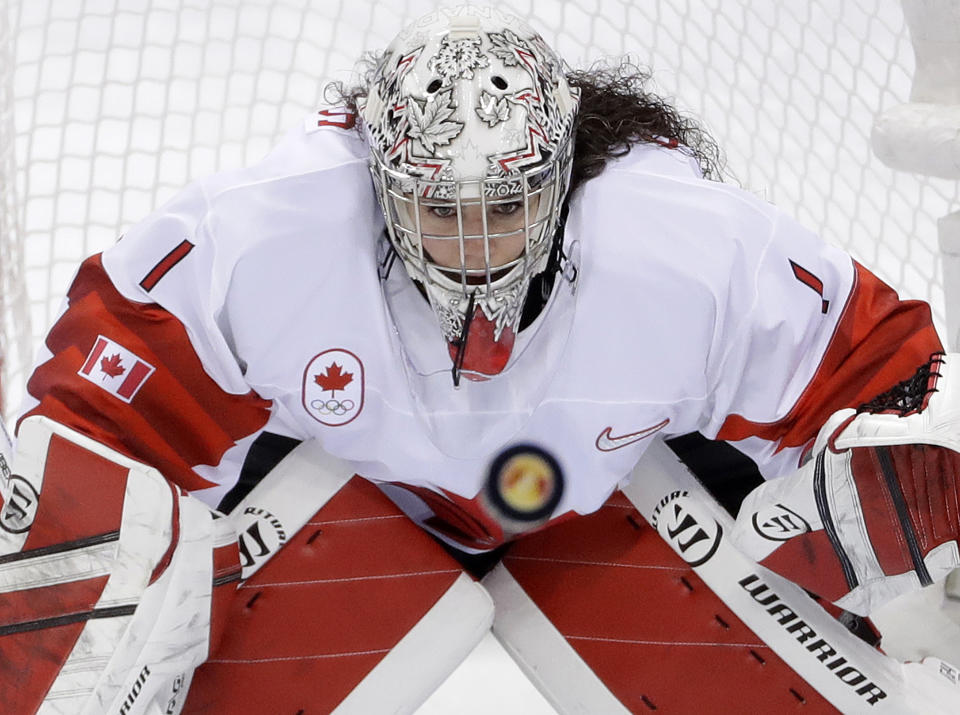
116,585
110,578
875,513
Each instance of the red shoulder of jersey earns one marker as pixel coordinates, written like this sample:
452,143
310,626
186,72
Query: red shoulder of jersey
879,341
126,374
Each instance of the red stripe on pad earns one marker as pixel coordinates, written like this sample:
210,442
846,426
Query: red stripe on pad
174,535
30,661
82,496
36,604
643,621
879,514
325,610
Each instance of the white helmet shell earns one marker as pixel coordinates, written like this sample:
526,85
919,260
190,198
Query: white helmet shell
468,93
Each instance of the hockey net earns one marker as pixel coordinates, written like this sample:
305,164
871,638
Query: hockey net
107,107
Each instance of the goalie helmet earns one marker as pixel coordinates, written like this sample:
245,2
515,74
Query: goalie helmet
469,119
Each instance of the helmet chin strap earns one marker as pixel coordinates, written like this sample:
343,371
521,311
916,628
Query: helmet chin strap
458,350
476,351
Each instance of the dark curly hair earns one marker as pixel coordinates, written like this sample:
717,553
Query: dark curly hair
617,110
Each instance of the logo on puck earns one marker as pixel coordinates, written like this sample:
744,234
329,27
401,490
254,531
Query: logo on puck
523,487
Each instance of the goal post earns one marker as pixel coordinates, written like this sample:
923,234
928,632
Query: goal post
107,107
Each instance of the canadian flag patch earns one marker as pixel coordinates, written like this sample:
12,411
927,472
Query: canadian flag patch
115,369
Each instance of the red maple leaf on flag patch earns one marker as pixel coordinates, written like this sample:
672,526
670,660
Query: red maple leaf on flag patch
111,366
333,378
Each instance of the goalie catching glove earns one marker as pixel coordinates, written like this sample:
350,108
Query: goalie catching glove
876,512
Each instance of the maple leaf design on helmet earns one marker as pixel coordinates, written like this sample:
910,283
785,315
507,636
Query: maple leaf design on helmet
493,111
457,59
505,45
333,378
432,125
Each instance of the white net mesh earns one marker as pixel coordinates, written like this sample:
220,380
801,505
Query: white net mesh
115,104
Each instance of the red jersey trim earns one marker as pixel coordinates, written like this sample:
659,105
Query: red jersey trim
165,265
878,341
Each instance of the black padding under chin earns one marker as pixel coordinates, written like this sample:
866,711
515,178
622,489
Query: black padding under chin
541,285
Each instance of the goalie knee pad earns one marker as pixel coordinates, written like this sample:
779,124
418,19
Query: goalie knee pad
108,574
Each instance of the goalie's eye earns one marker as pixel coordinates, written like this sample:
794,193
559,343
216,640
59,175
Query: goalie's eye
444,211
507,208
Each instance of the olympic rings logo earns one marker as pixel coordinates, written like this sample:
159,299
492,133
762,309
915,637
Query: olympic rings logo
333,407
332,389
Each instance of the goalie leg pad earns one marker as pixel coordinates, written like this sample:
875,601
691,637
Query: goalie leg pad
359,612
603,616
106,573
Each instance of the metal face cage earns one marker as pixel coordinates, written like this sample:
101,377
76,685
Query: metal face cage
498,288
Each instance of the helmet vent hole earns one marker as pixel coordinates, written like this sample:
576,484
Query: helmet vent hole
434,86
498,82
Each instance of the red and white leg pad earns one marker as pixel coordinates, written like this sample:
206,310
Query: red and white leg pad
603,616
107,576
359,612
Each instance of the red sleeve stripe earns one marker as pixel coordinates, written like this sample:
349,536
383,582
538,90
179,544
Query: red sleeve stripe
167,557
166,263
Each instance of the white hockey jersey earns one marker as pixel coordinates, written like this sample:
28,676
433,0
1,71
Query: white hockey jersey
250,306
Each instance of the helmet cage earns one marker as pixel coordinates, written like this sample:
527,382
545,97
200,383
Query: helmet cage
469,108
499,290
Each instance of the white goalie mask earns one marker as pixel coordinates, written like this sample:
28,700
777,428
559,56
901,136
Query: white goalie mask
470,119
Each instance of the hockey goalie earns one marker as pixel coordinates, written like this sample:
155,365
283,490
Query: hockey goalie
282,427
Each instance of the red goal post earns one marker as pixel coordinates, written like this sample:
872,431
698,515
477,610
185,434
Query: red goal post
107,107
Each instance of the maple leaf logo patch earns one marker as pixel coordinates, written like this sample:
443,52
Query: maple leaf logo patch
333,387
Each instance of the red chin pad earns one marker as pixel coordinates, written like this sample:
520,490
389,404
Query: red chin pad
483,354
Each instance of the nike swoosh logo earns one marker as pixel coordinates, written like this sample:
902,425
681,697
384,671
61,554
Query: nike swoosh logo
607,442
